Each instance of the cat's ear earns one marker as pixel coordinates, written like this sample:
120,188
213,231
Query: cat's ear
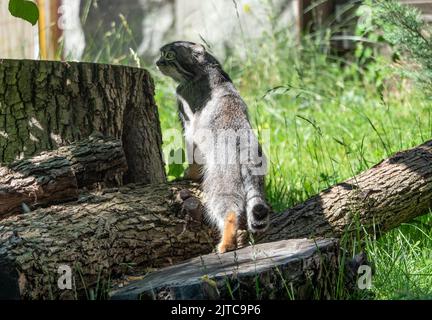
198,49
198,53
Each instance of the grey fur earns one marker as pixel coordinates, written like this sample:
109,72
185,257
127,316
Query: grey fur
211,107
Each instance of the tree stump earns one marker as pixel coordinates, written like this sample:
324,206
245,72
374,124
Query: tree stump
287,269
47,104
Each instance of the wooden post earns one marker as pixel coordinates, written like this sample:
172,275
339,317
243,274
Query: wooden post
42,30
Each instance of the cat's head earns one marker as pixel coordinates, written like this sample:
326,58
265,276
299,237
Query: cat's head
184,61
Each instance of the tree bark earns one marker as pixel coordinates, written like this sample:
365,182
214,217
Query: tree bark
287,269
148,226
56,176
47,104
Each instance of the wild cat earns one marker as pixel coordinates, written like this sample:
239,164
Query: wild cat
222,149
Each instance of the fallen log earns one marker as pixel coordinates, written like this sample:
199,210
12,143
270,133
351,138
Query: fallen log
56,176
104,234
147,226
394,191
48,104
287,269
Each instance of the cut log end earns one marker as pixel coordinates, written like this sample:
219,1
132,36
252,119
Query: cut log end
298,268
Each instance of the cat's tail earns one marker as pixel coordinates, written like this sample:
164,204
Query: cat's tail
257,210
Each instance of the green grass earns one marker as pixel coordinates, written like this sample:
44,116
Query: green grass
403,261
329,119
